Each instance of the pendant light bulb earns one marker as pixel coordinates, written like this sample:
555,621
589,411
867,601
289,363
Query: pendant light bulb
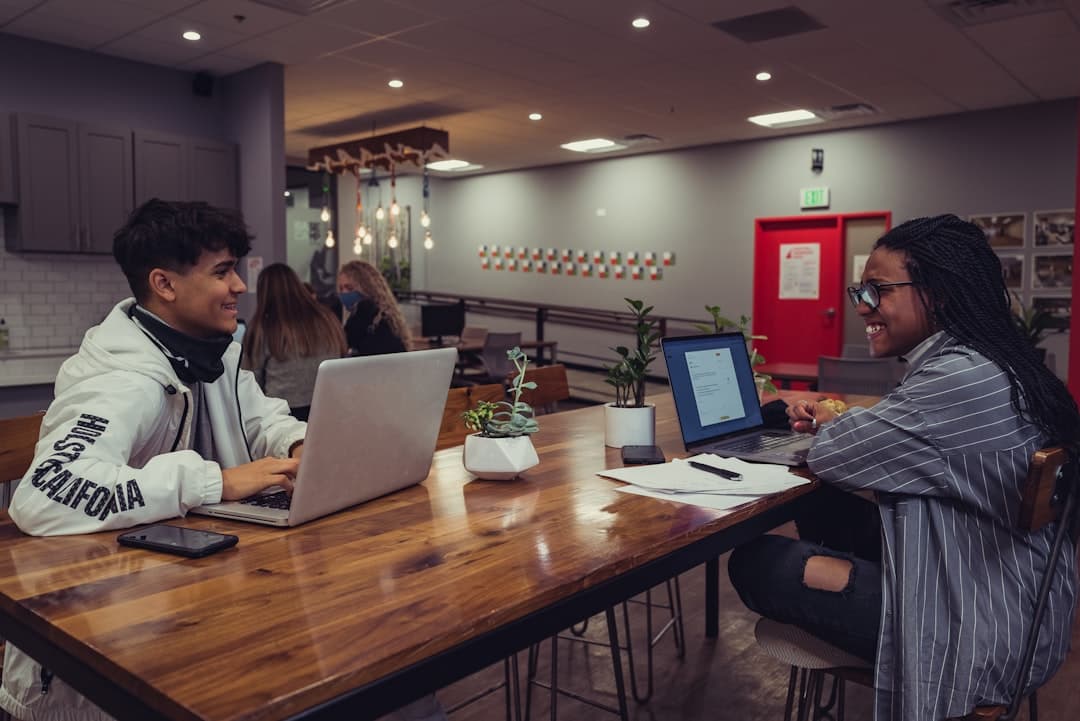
380,213
357,249
359,233
395,209
429,243
329,239
391,242
324,216
425,219
368,238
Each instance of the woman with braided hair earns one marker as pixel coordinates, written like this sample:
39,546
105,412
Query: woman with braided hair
933,583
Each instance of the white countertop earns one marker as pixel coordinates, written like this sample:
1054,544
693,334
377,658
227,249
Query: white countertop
33,366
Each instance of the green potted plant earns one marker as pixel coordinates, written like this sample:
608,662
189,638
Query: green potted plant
501,448
629,421
1033,323
721,323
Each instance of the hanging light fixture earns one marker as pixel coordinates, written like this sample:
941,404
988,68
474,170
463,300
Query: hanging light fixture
360,230
329,239
368,238
425,219
395,209
324,216
429,243
392,241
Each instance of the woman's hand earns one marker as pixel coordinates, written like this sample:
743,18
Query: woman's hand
807,416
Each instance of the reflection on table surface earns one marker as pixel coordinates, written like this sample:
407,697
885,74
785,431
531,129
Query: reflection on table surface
293,618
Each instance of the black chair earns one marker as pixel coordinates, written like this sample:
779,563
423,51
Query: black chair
868,376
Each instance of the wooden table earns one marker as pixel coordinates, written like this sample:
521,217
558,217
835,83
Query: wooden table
352,615
785,373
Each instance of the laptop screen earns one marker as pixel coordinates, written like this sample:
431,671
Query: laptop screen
713,385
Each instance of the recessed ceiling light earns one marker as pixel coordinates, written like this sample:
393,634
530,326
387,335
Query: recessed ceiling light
452,165
786,119
641,23
192,35
395,83
763,76
287,194
593,145
535,116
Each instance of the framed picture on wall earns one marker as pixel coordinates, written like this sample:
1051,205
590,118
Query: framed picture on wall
1003,230
1054,227
1051,271
1058,307
1012,267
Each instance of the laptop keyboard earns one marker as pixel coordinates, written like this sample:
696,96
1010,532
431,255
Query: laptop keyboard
279,500
763,442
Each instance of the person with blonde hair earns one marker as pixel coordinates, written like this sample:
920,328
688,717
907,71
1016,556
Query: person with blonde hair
290,335
375,324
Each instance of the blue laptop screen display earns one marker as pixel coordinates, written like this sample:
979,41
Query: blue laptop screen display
713,385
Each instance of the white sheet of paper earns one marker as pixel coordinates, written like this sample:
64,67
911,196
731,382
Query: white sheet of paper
759,479
705,500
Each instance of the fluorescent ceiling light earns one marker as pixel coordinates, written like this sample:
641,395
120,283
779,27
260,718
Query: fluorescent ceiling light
192,35
763,76
786,119
395,83
457,165
593,145
641,23
535,116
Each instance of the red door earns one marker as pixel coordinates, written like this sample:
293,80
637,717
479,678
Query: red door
798,287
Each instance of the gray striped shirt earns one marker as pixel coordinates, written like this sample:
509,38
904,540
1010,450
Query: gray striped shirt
946,454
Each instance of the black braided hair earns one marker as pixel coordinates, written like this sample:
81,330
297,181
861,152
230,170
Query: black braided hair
964,290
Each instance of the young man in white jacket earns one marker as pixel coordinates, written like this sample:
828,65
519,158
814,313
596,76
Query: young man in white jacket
153,415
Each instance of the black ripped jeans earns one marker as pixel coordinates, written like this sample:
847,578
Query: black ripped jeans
768,573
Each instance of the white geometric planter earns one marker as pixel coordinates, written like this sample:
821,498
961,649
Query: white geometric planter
498,459
629,426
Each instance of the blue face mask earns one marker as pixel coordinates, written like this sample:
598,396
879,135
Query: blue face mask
350,298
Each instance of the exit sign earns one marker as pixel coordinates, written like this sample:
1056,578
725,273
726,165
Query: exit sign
814,198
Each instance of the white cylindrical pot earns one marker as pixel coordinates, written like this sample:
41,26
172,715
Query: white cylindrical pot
498,459
629,426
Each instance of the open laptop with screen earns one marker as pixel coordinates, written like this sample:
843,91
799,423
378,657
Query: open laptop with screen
716,401
372,430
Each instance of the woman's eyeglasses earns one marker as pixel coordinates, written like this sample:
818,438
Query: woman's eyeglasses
870,293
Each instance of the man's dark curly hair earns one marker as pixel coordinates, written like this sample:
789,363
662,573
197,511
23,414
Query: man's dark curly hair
965,294
172,235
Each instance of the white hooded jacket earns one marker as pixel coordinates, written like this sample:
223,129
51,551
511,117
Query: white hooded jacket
114,452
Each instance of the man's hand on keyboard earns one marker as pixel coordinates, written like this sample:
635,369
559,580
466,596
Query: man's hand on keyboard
250,478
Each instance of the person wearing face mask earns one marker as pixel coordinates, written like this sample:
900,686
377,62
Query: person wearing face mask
374,324
932,582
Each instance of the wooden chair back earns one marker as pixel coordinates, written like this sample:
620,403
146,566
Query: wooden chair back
551,387
18,436
452,431
473,335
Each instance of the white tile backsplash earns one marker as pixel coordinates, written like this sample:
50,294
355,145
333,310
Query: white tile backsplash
48,300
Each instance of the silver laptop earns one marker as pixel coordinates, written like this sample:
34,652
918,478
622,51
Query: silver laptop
372,430
716,401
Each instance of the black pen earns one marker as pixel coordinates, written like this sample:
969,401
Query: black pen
722,472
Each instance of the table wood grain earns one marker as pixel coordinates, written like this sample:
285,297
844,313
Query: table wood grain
294,618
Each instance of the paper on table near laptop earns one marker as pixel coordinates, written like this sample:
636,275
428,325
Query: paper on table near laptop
678,481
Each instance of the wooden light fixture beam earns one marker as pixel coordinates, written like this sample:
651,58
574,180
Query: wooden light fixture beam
415,146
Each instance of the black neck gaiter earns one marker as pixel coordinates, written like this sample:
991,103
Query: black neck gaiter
193,359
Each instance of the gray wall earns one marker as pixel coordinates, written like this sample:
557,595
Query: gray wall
701,203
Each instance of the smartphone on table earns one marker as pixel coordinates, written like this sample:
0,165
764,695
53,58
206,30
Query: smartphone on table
639,455
190,542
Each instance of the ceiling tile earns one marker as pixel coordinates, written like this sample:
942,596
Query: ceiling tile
376,17
302,42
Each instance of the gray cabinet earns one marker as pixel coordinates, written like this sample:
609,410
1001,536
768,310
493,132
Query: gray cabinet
74,185
8,193
173,167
